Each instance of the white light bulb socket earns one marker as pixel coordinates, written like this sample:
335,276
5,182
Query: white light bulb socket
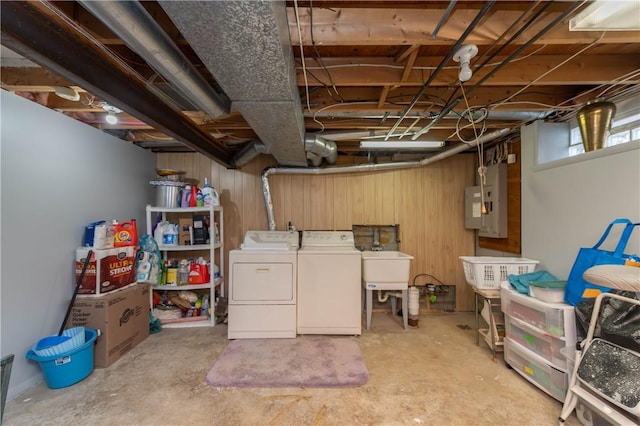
464,55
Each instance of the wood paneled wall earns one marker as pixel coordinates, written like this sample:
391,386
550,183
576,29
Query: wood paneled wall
427,203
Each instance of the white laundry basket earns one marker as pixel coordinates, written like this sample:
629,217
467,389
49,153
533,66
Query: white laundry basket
486,272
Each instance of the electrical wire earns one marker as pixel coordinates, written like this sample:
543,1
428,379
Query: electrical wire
304,70
480,148
468,114
429,68
318,57
593,43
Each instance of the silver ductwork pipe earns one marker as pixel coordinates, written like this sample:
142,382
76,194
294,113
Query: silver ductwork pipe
248,153
318,148
362,168
130,21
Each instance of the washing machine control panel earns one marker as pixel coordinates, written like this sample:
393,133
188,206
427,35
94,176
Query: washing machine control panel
270,240
328,239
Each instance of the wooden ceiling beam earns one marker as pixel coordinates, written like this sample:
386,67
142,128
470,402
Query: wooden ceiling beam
539,99
586,69
355,26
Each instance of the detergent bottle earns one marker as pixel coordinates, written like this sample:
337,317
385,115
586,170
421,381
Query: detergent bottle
186,195
125,233
207,193
193,202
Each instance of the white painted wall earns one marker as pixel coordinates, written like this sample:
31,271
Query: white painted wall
57,175
567,204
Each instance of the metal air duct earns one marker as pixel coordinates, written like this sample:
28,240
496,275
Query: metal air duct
246,46
133,24
361,168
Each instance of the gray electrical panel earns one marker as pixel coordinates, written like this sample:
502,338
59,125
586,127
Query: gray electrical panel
472,208
491,221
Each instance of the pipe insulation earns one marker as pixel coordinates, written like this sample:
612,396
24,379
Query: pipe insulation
130,21
362,168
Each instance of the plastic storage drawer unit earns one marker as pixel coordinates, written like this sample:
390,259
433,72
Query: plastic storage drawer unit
545,345
547,378
550,317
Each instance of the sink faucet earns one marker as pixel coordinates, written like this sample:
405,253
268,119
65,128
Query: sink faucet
376,246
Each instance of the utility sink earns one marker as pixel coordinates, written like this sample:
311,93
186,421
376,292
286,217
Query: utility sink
385,266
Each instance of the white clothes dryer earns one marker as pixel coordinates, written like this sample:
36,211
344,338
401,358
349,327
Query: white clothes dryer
262,286
329,280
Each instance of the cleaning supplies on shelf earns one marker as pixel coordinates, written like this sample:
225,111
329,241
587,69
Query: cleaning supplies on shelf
186,195
125,233
210,195
193,202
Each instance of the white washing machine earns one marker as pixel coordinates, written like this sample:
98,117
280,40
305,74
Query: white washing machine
262,286
329,273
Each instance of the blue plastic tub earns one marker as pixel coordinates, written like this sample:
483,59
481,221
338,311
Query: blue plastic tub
70,367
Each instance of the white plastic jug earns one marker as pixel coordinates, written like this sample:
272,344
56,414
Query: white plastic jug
170,235
158,234
215,198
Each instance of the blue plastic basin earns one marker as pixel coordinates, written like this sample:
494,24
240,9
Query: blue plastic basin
67,368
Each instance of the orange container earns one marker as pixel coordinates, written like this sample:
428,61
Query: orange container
125,234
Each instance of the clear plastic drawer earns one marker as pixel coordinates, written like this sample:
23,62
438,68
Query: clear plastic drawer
552,381
545,345
557,319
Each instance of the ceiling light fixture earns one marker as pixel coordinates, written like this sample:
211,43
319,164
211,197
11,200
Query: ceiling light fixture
400,145
464,55
67,93
111,117
608,16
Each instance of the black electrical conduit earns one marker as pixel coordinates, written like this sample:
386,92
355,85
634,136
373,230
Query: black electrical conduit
450,105
518,51
446,59
443,19
523,27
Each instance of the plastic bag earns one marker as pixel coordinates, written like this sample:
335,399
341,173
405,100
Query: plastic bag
148,260
618,322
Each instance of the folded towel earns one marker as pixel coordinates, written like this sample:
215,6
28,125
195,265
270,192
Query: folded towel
521,282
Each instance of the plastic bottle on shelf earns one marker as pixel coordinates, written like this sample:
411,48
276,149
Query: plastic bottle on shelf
199,198
193,202
183,272
170,235
207,193
186,194
204,308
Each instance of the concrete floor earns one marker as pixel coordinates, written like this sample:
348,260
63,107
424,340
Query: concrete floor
433,375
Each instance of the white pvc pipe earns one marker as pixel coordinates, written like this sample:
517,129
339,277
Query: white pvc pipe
382,296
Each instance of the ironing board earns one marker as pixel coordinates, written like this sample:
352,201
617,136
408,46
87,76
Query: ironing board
616,399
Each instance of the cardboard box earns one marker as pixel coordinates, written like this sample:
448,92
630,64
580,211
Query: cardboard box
121,316
184,236
113,268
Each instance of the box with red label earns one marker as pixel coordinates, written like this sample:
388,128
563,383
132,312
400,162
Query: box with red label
108,270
